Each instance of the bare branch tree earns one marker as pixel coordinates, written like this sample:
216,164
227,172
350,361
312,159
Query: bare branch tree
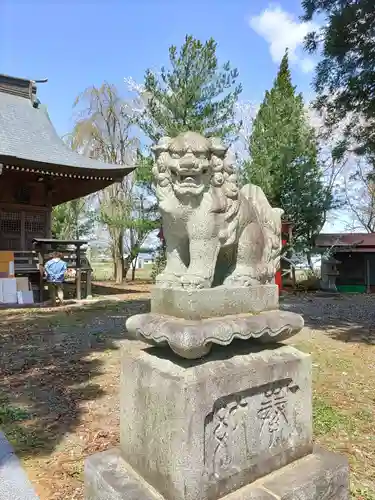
103,130
336,167
245,114
360,198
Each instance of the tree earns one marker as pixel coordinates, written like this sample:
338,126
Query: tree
103,131
345,76
246,111
160,261
144,220
129,218
194,93
72,220
284,161
360,198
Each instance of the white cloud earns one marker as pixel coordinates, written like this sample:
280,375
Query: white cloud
283,31
306,64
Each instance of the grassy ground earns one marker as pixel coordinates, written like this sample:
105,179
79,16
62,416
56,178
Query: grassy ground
340,335
343,405
103,271
59,397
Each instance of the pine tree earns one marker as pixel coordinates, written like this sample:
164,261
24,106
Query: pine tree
194,93
284,160
345,75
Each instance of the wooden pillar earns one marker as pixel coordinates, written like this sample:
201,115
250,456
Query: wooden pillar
41,272
368,274
78,272
88,273
48,220
23,230
88,284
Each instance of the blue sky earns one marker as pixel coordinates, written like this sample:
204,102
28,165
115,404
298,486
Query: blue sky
78,43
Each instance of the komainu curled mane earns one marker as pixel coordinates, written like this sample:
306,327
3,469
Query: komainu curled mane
215,233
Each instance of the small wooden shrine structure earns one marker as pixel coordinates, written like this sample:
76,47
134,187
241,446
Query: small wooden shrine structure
37,172
355,256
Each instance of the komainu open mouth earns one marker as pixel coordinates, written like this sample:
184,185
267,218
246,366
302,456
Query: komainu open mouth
189,178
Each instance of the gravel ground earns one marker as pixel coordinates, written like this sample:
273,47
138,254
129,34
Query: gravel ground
351,317
354,314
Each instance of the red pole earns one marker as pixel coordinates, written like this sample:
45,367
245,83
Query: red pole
278,280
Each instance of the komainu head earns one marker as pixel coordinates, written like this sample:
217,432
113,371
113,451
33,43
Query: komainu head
191,164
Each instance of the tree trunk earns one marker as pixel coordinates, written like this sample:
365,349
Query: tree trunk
119,273
294,279
309,261
118,259
114,263
125,271
126,267
117,268
134,264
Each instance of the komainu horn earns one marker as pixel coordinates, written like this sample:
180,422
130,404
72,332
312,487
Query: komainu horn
215,233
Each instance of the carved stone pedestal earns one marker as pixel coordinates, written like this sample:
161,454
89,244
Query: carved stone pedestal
213,428
204,303
318,476
191,321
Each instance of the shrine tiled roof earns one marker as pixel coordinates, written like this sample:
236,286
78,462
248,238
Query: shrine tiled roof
27,134
337,240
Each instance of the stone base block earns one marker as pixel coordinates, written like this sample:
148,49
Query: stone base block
198,430
194,339
213,302
319,476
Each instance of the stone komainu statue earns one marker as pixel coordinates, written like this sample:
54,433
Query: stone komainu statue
215,233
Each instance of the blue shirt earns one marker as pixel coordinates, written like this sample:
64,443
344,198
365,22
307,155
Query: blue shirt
55,270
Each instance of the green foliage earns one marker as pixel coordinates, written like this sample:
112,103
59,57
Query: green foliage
327,419
22,438
58,221
284,160
273,140
345,76
309,281
160,262
143,173
72,220
362,494
193,94
9,414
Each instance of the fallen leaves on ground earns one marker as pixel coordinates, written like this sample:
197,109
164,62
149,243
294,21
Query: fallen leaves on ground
59,392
